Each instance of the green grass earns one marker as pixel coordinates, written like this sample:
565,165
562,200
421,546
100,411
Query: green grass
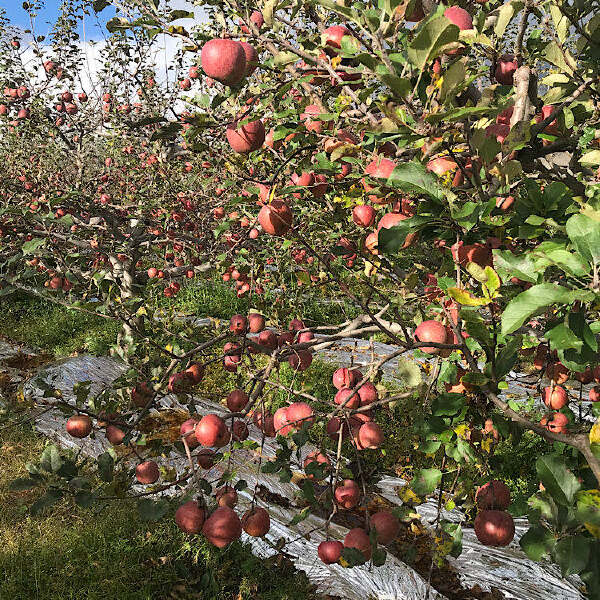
74,553
54,328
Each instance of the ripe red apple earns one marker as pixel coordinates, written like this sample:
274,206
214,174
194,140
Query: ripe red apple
347,398
147,472
251,58
256,522
79,426
180,382
367,393
256,322
141,394
238,324
206,458
226,496
494,528
268,339
585,377
347,495
493,495
300,414
595,394
555,422
276,218
190,517
431,331
212,431
300,360
187,432
239,431
359,539
459,17
363,215
316,457
330,551
386,525
222,527
311,124
247,138
196,372
332,37
115,435
266,422
557,372
555,398
281,422
224,60
505,69
237,400
370,435
344,377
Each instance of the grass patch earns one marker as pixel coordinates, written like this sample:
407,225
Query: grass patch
74,553
54,328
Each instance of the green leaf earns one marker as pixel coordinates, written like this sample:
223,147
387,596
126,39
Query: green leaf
530,302
117,23
300,516
169,131
100,5
453,77
507,357
584,233
561,337
409,372
174,15
32,246
413,177
50,459
353,557
560,483
51,497
447,405
152,510
425,481
379,556
590,159
537,542
106,466
454,530
572,554
23,483
510,265
505,15
431,40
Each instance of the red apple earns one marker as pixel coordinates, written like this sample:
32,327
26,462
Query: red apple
386,525
276,218
256,522
224,60
79,426
222,527
147,472
494,494
494,528
190,517
330,551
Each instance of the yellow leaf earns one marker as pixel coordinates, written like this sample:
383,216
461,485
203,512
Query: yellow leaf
461,430
595,433
465,297
486,445
407,495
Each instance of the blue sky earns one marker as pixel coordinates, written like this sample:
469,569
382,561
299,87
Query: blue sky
94,25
